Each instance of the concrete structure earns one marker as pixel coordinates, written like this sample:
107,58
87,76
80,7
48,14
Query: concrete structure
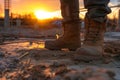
6,13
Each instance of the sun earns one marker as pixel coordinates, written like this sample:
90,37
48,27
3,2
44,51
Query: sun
41,14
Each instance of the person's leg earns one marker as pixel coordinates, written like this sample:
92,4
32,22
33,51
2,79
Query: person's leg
97,10
95,26
71,25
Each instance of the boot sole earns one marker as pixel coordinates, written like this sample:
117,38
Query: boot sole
70,46
70,49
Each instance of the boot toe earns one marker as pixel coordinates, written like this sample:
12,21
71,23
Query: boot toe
87,54
51,45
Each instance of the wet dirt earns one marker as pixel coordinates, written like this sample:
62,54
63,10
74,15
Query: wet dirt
29,60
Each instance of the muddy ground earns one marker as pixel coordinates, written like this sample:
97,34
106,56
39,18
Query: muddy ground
27,59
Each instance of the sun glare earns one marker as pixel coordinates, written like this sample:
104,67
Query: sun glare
41,14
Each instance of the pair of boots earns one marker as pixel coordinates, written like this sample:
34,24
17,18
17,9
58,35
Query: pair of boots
92,47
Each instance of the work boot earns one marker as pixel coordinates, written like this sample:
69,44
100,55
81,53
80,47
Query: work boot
70,38
92,48
71,25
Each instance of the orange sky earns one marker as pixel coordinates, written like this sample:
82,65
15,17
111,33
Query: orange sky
27,6
30,5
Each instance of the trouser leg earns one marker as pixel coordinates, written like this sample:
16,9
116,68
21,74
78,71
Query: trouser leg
70,10
97,9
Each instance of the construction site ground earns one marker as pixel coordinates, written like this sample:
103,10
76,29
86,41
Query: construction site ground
19,57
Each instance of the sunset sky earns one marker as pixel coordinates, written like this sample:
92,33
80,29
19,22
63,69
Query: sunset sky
28,6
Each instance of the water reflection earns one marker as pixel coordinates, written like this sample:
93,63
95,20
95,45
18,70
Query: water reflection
24,45
33,45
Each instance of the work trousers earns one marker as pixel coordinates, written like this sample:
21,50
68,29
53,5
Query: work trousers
96,10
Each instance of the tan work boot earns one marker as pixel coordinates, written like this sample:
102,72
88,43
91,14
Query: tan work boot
70,38
92,48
